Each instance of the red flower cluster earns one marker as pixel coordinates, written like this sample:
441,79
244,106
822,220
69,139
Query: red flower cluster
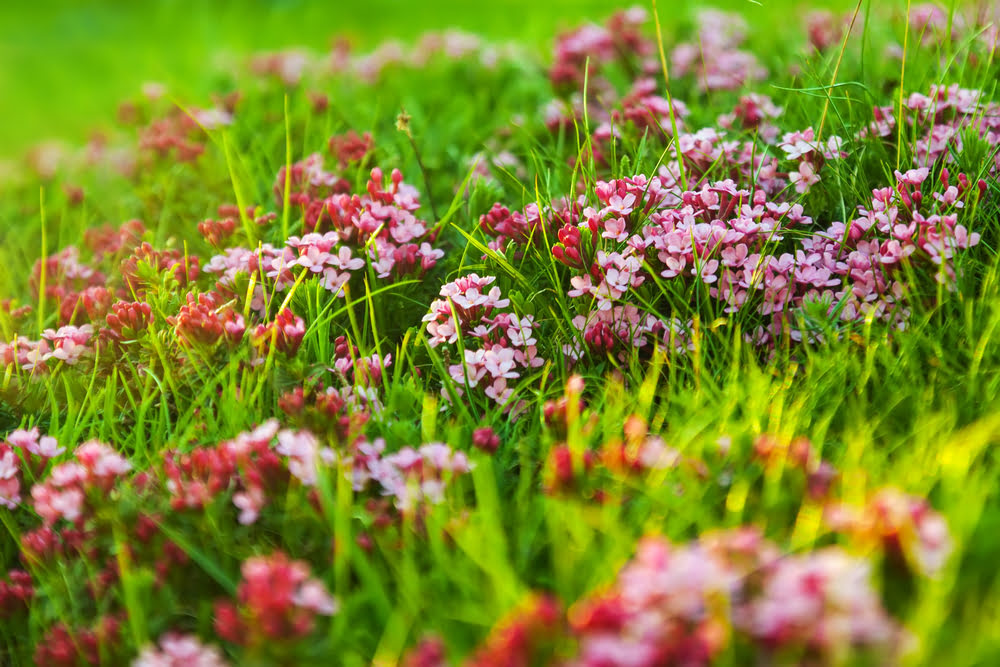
277,600
799,454
247,466
128,320
340,414
147,264
204,320
519,639
181,134
65,647
64,493
904,526
16,593
284,334
350,148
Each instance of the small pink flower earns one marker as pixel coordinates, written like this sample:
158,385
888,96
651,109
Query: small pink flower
250,503
615,229
312,595
804,178
177,650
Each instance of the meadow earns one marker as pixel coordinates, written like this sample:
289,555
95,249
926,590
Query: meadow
583,335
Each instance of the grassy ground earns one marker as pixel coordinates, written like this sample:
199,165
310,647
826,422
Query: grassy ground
815,444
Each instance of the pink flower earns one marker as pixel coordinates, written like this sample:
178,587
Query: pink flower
797,145
250,503
69,343
10,484
313,259
344,261
620,206
822,600
177,650
53,504
334,281
804,178
100,460
615,229
44,446
312,595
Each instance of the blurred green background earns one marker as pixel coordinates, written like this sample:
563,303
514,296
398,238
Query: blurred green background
65,65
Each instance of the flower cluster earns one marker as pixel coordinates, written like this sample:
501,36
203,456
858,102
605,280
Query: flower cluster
498,344
619,40
63,646
822,603
246,466
181,134
411,477
931,24
715,60
707,155
619,45
804,148
67,345
521,637
284,334
277,600
288,65
345,233
16,592
217,230
337,414
906,527
667,606
382,221
351,148
753,113
23,448
304,454
307,180
732,240
678,604
108,242
453,45
146,265
902,225
64,277
128,320
265,262
204,320
177,650
799,454
354,369
64,493
584,473
943,123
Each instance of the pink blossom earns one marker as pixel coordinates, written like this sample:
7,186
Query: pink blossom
177,650
804,178
30,441
10,484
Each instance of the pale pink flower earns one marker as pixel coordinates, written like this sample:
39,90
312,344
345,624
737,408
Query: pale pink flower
177,650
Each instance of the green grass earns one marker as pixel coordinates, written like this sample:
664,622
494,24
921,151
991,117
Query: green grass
913,409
